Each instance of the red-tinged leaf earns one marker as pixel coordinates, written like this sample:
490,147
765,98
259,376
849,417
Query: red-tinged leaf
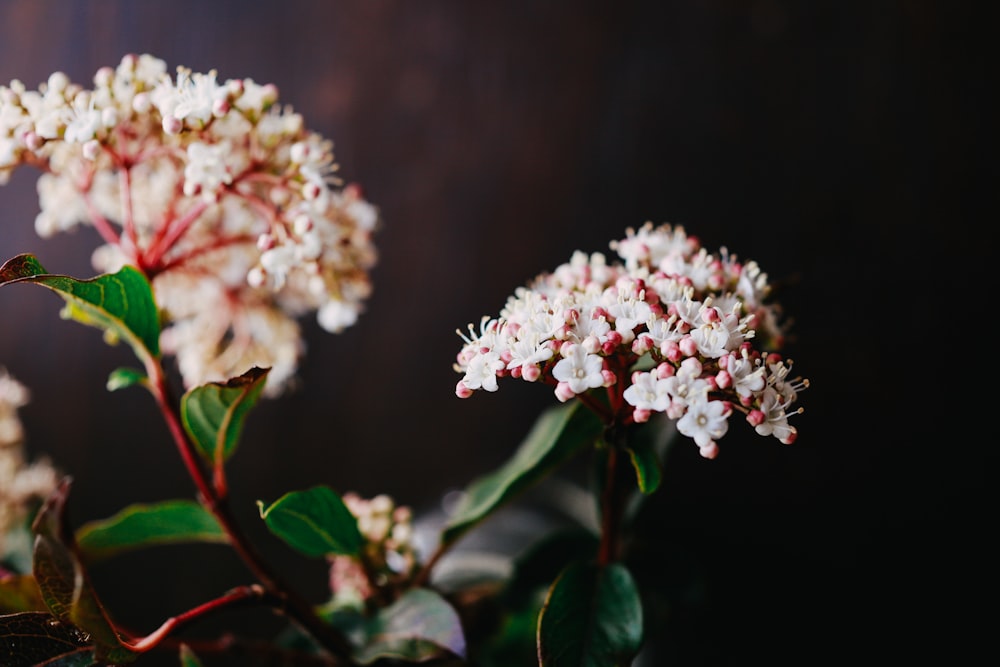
213,414
31,639
64,584
19,592
591,618
121,304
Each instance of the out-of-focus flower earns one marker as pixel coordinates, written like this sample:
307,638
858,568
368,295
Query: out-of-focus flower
22,484
388,557
672,329
223,198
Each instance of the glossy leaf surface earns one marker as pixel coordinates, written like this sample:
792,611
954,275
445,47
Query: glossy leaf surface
417,627
315,522
591,618
121,304
143,525
559,433
214,413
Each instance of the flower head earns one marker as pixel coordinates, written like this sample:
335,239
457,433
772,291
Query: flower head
700,321
224,199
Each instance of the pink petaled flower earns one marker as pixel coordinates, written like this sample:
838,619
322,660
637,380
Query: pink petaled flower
221,197
700,319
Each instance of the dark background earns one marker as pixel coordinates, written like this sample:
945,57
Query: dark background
842,145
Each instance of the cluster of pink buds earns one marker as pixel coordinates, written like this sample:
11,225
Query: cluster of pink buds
388,557
223,198
670,329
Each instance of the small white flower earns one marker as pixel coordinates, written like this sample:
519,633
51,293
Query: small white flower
705,421
579,369
647,392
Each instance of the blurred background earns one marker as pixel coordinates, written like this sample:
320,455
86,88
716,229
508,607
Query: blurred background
842,145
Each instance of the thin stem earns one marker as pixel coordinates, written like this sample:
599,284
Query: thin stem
175,229
297,608
241,595
128,222
612,499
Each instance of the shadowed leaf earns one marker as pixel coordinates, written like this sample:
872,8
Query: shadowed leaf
121,304
19,592
214,413
143,525
419,626
64,584
33,638
559,433
315,522
591,618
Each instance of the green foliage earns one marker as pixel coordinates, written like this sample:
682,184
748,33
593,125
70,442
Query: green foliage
315,522
559,433
64,584
188,658
143,525
120,378
591,618
120,304
419,626
214,413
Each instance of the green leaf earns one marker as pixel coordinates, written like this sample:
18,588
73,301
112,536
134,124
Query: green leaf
64,584
315,522
213,414
19,592
559,433
120,378
120,304
188,658
539,565
416,627
648,472
35,638
591,618
143,525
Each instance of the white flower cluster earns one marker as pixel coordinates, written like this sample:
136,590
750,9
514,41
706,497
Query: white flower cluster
388,557
672,329
222,198
21,483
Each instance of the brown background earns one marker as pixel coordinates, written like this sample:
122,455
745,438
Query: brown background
842,145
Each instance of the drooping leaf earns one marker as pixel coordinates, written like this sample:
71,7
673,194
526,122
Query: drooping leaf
559,433
143,525
188,658
647,445
315,522
648,473
213,414
420,625
591,618
120,304
33,638
64,584
19,592
120,378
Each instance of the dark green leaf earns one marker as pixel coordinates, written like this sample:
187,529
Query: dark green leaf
540,565
316,522
64,584
19,592
592,618
559,433
188,658
121,378
121,304
647,468
214,413
420,625
34,638
143,525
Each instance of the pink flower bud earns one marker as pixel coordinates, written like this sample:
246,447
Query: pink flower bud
609,378
688,347
563,392
723,380
756,417
172,125
640,415
530,372
664,370
462,391
671,350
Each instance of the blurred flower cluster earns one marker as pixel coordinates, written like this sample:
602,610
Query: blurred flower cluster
23,485
221,197
698,321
